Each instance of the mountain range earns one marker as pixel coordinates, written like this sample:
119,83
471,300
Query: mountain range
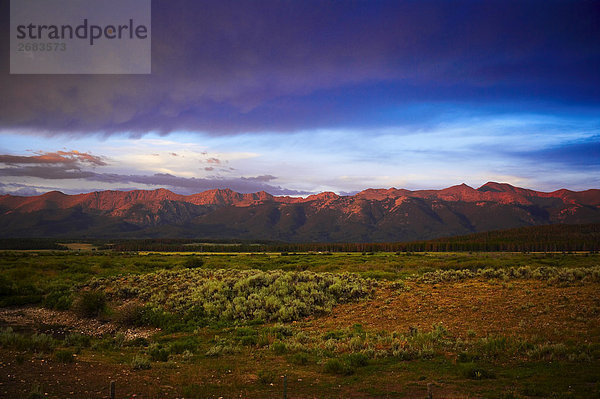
372,215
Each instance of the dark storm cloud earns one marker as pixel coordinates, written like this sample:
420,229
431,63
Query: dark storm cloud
47,172
577,155
230,66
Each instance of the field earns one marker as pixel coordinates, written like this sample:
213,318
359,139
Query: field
305,325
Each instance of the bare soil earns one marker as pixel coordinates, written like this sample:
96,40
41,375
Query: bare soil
523,308
33,317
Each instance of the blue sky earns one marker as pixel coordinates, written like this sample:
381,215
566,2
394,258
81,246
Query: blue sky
301,97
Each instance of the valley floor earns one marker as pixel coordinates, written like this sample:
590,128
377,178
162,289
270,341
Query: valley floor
469,338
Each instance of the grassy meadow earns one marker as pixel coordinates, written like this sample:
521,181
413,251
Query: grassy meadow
299,325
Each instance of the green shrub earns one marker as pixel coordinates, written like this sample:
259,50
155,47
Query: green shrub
279,348
59,298
156,317
90,304
219,350
130,314
549,352
334,334
245,331
550,274
78,340
282,331
194,262
140,362
214,351
336,366
180,346
250,340
236,295
40,343
158,354
138,341
300,358
356,359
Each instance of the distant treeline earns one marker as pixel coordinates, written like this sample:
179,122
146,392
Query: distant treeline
550,238
190,245
22,244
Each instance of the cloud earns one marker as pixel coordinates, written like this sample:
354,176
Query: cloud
577,155
73,158
21,189
263,178
53,173
225,67
67,166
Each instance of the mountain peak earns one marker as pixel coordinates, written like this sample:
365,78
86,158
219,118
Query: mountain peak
459,187
53,194
326,195
496,187
379,194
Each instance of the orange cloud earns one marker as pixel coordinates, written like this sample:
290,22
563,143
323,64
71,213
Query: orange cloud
58,157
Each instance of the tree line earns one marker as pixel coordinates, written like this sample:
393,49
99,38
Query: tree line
549,238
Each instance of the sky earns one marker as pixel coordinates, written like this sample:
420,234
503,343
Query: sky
299,97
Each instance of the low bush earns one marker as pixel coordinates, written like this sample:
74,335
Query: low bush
158,353
219,350
193,262
59,298
197,295
249,340
90,304
337,366
140,362
300,358
279,348
40,343
78,340
549,274
180,346
130,314
356,359
137,342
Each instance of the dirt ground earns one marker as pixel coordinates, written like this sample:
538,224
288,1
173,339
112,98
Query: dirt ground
32,317
85,378
523,308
